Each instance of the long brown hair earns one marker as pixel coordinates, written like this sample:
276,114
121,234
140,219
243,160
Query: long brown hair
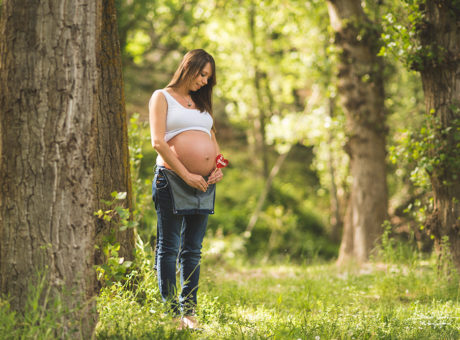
192,63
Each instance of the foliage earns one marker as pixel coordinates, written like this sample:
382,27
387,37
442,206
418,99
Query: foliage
289,67
256,288
323,130
293,71
400,24
141,177
151,39
43,314
393,252
114,267
290,51
405,29
145,26
408,297
275,52
133,308
290,218
403,300
427,149
117,212
407,35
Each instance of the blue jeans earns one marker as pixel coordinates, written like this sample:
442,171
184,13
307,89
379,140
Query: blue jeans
177,235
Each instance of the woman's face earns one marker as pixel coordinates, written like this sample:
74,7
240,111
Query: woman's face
201,78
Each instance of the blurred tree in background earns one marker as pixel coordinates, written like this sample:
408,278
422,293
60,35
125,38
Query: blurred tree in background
360,82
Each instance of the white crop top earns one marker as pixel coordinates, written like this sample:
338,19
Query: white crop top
180,119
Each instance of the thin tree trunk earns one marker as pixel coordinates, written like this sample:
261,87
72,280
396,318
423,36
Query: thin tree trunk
336,220
361,88
63,135
440,33
259,121
263,196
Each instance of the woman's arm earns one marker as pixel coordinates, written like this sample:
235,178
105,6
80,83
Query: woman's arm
217,174
157,117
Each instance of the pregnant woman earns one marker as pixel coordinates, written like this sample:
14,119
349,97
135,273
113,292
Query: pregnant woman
183,188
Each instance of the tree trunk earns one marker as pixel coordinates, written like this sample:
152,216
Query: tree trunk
440,34
63,148
111,128
361,87
336,219
260,117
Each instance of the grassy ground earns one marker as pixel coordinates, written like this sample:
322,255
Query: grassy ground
409,300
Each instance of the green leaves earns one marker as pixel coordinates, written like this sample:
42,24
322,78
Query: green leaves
429,151
400,24
114,268
122,214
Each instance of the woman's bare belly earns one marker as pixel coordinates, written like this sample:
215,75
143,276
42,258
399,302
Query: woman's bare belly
196,150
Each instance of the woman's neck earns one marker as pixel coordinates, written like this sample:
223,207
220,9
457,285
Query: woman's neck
182,90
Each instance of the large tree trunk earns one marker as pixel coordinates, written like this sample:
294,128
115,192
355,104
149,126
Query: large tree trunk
440,33
361,89
63,148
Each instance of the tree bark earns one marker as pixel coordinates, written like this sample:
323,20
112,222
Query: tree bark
440,33
361,88
63,134
111,128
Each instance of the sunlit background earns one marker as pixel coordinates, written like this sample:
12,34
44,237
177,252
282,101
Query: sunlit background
277,115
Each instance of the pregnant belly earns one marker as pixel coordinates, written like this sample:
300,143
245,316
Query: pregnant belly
196,150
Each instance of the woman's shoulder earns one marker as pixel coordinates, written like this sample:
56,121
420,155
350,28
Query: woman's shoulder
158,95
157,91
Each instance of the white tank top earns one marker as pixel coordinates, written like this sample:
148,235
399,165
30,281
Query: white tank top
180,119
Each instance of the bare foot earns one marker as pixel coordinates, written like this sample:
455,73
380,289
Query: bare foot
190,322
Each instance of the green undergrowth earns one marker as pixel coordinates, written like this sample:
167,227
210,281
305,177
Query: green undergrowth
400,294
402,298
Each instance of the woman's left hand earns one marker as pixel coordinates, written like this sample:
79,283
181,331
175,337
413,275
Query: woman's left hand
216,176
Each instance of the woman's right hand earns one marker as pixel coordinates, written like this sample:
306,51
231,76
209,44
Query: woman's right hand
197,181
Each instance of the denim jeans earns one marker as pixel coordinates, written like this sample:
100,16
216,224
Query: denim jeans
177,235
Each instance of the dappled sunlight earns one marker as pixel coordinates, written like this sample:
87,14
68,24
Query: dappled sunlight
263,315
228,248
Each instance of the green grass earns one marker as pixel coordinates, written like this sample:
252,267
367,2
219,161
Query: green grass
406,297
238,300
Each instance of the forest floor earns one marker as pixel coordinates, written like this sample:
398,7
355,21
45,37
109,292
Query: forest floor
414,299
